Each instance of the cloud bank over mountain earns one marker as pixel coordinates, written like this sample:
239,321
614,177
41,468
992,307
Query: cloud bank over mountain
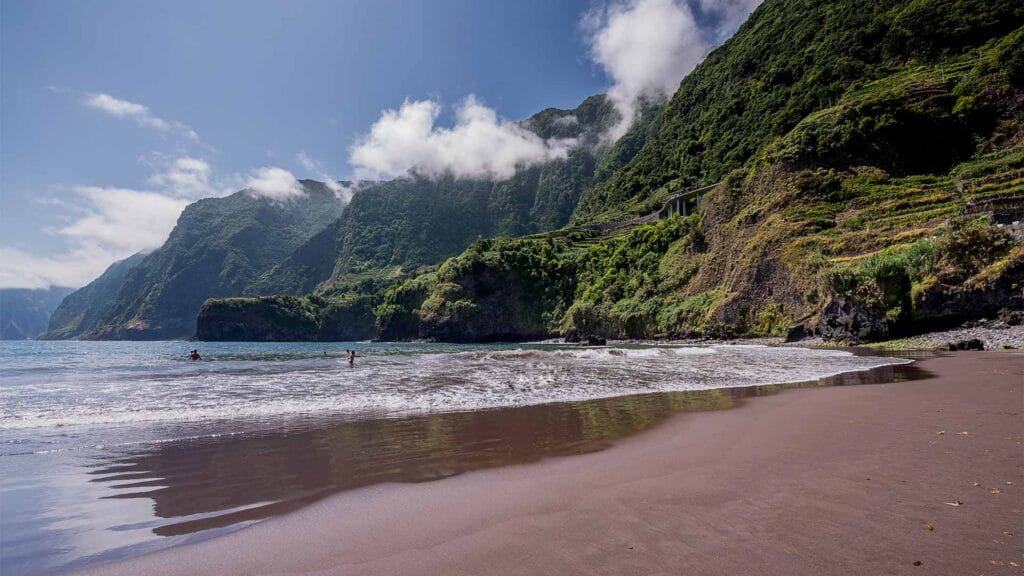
479,145
274,183
108,223
646,47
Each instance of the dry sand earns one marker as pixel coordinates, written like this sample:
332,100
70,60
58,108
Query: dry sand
843,480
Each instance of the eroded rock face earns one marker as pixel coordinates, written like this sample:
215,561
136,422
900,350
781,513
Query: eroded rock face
947,305
846,321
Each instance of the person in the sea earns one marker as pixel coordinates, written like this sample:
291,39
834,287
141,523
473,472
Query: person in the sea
351,357
194,355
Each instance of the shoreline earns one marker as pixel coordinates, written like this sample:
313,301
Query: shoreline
698,491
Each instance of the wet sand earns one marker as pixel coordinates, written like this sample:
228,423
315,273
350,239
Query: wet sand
835,480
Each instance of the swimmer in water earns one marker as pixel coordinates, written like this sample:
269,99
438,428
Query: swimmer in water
194,355
351,357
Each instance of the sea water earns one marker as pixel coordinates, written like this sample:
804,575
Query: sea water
110,449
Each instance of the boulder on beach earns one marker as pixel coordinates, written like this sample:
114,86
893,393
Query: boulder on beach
969,344
846,321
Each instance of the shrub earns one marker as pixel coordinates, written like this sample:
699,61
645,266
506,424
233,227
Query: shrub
970,246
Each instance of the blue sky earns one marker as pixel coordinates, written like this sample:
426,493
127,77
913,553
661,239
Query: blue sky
115,114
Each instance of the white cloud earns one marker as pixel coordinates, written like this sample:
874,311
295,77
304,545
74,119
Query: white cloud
187,177
407,140
139,113
646,47
274,183
124,221
110,223
342,191
113,223
307,162
20,269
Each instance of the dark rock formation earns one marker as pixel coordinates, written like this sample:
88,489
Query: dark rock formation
572,336
846,321
798,332
972,344
947,305
1011,317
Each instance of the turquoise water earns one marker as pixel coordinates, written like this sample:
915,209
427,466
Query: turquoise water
110,449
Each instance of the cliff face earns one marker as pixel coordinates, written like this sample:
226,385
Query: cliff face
789,60
415,221
83,310
219,247
395,229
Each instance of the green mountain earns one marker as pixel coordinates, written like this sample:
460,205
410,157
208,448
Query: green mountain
863,149
393,229
84,309
24,314
219,247
414,221
790,59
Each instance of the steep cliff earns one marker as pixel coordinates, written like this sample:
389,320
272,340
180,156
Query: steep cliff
84,309
219,247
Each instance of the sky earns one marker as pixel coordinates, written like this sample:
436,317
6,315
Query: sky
114,115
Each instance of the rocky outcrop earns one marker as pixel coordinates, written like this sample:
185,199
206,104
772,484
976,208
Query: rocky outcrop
286,319
798,332
572,336
846,321
971,344
942,305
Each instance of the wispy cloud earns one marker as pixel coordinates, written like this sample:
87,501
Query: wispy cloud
342,191
103,224
190,178
77,267
139,113
108,224
478,145
122,220
646,47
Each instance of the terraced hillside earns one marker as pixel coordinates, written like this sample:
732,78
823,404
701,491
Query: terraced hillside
862,209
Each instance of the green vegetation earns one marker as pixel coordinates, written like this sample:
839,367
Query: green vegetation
850,146
416,221
287,318
533,287
84,309
850,139
789,60
219,247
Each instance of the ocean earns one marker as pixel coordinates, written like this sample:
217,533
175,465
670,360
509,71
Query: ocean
113,449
